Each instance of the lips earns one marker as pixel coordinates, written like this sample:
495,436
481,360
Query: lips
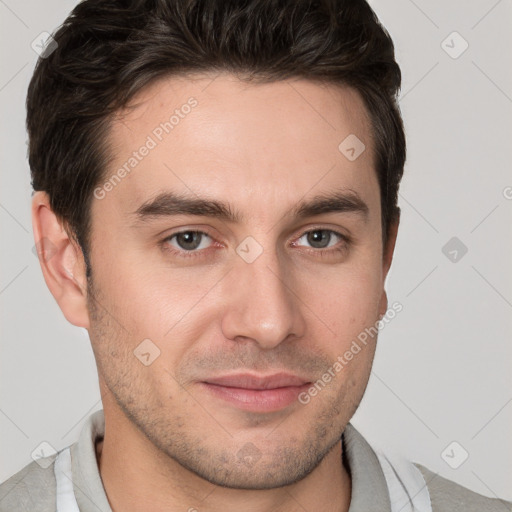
248,381
256,393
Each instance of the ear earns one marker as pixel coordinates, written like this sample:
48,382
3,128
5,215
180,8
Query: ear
387,258
61,260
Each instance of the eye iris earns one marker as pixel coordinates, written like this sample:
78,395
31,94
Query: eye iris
319,236
189,240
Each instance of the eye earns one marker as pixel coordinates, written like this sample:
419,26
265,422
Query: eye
187,241
191,243
324,239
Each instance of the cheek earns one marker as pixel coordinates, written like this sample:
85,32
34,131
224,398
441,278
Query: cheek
347,300
163,304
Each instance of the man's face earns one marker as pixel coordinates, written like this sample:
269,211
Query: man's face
245,316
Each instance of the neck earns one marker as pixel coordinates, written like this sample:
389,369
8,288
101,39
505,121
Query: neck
141,474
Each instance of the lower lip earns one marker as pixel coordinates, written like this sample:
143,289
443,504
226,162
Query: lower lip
263,400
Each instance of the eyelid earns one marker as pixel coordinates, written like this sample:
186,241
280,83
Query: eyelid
321,227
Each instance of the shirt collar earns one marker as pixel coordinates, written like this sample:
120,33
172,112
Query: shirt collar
369,487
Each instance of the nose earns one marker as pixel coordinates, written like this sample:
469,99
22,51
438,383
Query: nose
264,306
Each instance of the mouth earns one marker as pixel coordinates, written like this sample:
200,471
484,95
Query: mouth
257,393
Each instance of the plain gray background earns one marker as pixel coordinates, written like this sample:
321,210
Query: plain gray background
443,365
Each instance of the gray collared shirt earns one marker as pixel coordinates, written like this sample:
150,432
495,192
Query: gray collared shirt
34,487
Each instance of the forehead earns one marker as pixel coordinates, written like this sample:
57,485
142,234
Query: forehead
210,135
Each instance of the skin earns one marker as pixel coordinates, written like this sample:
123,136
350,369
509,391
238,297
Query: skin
262,148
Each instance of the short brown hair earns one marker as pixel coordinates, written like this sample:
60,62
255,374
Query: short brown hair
108,50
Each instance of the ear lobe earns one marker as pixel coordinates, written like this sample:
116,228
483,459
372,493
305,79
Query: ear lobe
61,261
383,306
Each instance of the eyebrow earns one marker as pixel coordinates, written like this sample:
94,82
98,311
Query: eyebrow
167,204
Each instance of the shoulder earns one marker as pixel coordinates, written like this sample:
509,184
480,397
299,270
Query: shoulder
449,496
31,489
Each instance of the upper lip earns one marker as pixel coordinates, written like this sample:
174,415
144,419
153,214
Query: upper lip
251,381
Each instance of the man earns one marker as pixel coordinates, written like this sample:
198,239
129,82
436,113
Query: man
216,203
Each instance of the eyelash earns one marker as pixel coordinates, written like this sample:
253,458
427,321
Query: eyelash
346,241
